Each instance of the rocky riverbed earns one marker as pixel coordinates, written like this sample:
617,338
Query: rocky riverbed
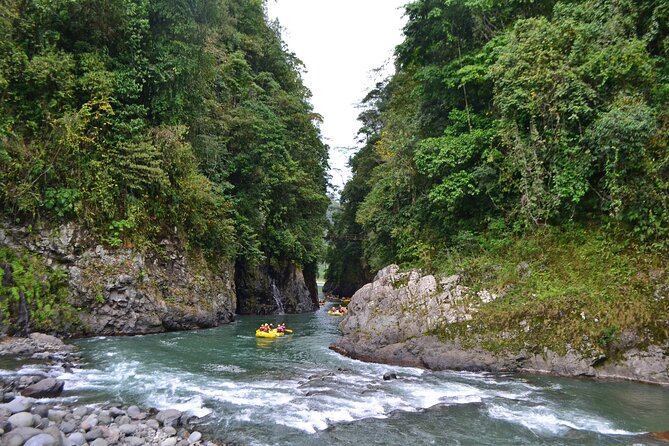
31,414
393,320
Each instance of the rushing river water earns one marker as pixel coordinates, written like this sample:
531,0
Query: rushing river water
294,391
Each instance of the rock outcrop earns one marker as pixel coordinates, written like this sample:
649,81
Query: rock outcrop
271,290
125,292
392,320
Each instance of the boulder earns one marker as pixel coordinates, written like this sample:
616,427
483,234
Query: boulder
46,388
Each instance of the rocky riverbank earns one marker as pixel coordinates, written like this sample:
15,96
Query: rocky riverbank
29,414
398,317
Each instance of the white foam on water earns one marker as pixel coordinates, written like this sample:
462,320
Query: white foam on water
225,368
194,405
542,419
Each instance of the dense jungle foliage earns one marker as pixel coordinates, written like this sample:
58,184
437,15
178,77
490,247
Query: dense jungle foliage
504,117
145,119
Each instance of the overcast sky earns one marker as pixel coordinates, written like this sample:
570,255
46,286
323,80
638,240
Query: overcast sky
341,42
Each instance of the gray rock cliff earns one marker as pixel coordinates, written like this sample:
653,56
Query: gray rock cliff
125,292
393,320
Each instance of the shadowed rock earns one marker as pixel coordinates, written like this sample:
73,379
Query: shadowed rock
46,388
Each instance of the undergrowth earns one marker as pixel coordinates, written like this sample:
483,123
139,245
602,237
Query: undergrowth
564,288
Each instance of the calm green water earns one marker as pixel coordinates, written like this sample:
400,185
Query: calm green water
295,391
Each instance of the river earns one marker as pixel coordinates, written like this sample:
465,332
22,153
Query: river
293,390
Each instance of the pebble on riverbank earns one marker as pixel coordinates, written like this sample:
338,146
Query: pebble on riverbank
25,422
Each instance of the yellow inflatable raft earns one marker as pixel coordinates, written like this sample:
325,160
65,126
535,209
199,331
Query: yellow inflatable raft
334,312
270,334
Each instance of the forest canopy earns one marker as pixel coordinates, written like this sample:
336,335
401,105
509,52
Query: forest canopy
508,116
144,119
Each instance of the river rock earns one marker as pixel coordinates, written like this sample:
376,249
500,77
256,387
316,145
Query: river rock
77,439
127,429
93,434
67,427
22,419
104,417
169,431
56,434
194,437
389,375
41,440
99,442
133,441
18,404
168,417
172,441
90,422
19,436
80,412
41,410
134,413
115,412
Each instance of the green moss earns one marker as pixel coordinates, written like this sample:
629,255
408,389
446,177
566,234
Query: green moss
576,289
45,290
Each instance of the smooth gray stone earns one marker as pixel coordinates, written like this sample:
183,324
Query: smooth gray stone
56,415
115,412
169,430
41,423
127,429
168,417
41,440
153,424
90,422
41,410
123,419
104,417
93,434
194,437
112,435
77,438
67,427
133,441
134,412
80,412
56,434
19,436
172,441
22,419
99,442
46,388
18,404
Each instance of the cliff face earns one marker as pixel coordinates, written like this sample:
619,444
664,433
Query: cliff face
271,290
398,317
124,292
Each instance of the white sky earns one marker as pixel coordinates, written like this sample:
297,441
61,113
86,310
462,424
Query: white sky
341,42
